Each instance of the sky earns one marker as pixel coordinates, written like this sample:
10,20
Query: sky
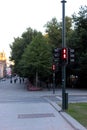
18,15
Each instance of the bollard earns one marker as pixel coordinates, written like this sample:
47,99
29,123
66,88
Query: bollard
66,100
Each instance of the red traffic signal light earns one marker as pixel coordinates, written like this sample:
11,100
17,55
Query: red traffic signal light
64,54
53,67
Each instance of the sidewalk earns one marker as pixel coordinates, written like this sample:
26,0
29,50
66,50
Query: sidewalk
16,114
33,116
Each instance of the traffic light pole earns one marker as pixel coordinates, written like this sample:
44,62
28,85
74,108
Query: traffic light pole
63,65
54,82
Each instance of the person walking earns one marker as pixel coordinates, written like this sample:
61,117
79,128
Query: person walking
20,80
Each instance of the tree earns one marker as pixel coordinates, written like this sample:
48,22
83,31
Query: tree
81,28
37,58
28,36
18,46
17,50
54,32
69,30
80,41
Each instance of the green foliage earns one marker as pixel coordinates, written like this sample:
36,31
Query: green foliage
80,42
37,57
17,50
18,46
81,28
28,36
54,32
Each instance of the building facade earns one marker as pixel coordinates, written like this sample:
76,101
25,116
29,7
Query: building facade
2,64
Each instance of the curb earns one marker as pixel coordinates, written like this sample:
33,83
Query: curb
74,123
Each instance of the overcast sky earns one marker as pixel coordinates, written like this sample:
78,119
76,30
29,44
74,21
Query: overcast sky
17,15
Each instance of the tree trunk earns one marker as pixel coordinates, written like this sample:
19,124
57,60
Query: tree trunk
36,78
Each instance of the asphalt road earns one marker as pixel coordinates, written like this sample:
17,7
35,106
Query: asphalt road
16,92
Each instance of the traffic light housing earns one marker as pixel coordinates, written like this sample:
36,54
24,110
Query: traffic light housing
71,53
57,56
64,55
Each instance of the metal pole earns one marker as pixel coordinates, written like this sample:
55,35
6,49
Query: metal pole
63,24
64,65
53,82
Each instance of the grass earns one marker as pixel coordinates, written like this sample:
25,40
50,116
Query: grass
79,112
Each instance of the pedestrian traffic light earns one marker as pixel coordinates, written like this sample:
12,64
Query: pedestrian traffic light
53,67
64,55
71,53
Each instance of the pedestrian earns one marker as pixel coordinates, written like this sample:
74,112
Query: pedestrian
14,80
11,81
23,80
20,80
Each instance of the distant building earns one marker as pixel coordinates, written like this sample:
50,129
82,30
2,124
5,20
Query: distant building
2,64
8,71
